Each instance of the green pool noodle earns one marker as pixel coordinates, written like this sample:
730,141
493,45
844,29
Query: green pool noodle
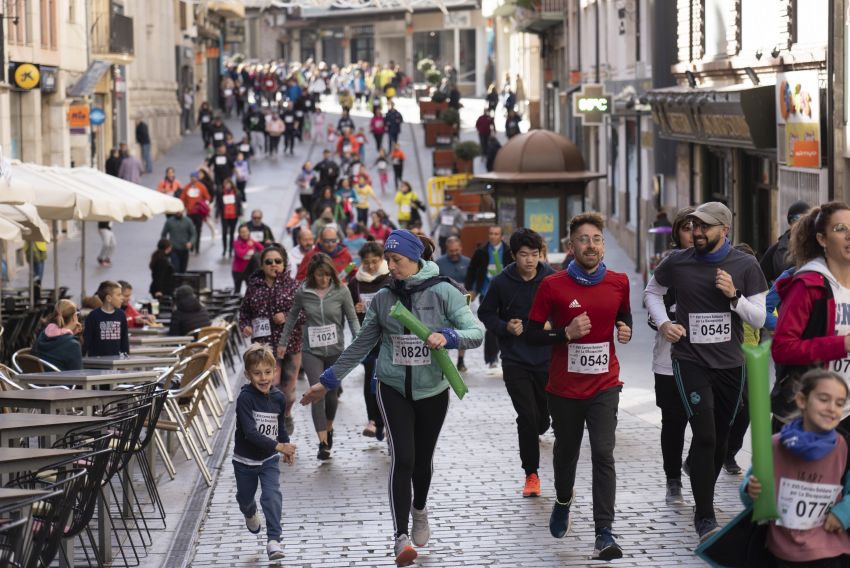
419,329
758,383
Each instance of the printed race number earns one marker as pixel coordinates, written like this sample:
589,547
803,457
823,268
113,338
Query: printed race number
588,358
322,335
710,328
804,505
410,350
367,299
261,327
266,423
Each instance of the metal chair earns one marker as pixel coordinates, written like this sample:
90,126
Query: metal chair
29,363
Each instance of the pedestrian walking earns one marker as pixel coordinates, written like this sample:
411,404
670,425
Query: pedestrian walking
378,228
397,157
330,245
587,305
382,163
775,259
269,296
113,163
196,198
229,208
245,250
393,121
221,165
218,131
131,169
377,127
525,366
143,139
205,116
305,181
327,305
306,241
454,265
274,129
717,288
512,124
107,237
259,441
180,232
241,173
450,221
169,184
363,191
162,270
372,276
412,391
485,128
488,260
408,205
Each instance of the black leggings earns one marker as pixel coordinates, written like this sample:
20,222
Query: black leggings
199,224
274,143
228,230
711,398
398,173
289,141
739,428
372,411
413,427
674,421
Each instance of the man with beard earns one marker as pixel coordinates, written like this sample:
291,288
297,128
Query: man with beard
296,254
330,244
585,305
717,287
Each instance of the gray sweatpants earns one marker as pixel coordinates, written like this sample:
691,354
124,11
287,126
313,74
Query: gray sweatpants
325,409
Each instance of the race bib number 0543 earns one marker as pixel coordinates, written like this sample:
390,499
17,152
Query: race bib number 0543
588,358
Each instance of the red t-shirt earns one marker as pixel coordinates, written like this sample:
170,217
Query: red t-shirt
559,300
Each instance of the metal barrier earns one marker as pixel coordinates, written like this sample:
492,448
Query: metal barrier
436,187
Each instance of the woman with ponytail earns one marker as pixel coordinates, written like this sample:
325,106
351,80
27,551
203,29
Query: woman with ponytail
813,329
58,343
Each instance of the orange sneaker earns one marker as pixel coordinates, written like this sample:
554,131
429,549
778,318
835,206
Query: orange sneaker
532,486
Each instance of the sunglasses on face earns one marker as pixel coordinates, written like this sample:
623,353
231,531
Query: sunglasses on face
330,241
271,261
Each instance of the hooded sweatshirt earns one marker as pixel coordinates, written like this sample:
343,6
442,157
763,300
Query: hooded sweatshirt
510,297
189,314
59,347
326,317
259,425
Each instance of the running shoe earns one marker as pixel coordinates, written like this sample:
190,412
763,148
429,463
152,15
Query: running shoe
253,522
560,522
674,492
324,452
494,365
405,554
532,486
705,528
289,425
732,467
370,429
421,529
274,550
606,548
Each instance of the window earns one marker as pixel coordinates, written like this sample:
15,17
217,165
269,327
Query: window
48,23
436,45
20,28
809,19
632,180
72,11
17,136
466,64
716,22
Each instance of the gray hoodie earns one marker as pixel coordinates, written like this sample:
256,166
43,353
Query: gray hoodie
332,310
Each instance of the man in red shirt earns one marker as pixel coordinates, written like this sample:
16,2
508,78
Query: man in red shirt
329,242
585,304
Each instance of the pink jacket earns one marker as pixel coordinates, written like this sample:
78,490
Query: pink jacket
243,252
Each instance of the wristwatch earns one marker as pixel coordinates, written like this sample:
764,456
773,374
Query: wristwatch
734,301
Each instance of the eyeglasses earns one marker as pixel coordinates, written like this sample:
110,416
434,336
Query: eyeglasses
841,228
702,226
271,261
586,240
330,241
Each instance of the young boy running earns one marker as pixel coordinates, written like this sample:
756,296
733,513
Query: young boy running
260,437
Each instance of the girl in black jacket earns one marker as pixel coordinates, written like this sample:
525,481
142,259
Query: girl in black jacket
162,271
189,313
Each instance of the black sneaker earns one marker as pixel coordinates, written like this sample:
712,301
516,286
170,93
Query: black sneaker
606,548
674,492
732,467
705,527
560,521
330,439
324,452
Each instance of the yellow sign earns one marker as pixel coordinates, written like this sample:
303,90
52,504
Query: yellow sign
27,76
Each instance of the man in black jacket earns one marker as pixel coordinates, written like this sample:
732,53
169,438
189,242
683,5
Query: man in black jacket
775,260
525,367
488,261
143,138
328,171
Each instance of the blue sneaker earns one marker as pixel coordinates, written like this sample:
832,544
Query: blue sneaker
606,548
706,527
560,522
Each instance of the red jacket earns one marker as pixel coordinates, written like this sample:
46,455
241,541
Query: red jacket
340,256
799,295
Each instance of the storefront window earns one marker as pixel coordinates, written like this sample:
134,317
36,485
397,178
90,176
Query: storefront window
332,50
362,43
436,45
466,62
16,151
308,44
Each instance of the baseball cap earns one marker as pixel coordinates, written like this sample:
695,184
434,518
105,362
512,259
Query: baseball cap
797,209
713,213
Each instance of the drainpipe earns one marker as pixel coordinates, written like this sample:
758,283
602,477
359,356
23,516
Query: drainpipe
830,101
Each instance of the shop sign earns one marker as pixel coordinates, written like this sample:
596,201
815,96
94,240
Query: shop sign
459,19
592,104
48,79
798,115
78,118
25,76
725,126
213,52
541,215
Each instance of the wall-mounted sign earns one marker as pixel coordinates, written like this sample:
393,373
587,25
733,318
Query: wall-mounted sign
48,79
798,111
78,118
458,19
97,116
25,76
592,104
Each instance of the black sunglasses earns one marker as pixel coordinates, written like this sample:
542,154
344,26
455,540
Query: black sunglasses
271,261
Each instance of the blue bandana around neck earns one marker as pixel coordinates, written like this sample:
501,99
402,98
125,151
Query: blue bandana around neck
715,257
808,446
578,274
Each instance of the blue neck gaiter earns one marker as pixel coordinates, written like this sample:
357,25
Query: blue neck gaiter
717,256
809,446
578,274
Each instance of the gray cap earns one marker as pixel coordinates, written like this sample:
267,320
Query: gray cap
713,213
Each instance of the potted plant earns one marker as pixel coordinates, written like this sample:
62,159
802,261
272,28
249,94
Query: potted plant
452,117
465,153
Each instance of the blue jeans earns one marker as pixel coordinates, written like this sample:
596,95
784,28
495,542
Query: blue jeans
146,157
271,500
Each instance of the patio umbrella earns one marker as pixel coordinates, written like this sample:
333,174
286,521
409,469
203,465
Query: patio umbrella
26,215
159,203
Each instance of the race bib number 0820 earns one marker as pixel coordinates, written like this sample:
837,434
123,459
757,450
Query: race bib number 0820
710,327
410,350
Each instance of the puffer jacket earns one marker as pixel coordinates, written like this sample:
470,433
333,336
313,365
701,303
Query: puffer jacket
189,314
440,307
262,301
333,309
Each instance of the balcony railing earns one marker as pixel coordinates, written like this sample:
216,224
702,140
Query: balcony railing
536,16
111,34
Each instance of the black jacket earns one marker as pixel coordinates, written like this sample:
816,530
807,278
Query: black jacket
162,277
478,266
775,260
510,297
142,134
189,314
113,165
259,423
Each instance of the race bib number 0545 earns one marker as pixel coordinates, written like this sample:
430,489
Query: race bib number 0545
710,328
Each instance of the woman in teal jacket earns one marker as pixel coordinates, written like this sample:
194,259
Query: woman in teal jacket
412,391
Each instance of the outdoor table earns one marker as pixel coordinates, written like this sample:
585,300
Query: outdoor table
131,362
14,460
149,330
9,495
51,400
88,378
155,350
160,340
24,425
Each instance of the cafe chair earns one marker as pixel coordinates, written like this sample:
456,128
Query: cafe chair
208,335
16,527
25,362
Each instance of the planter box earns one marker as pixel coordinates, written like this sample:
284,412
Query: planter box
438,133
463,166
444,162
429,110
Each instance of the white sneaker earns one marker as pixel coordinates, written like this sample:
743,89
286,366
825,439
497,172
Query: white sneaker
405,554
253,523
421,530
274,550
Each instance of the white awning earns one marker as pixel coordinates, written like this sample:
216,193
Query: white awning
158,203
26,216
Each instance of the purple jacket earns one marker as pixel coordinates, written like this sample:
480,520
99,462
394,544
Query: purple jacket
260,302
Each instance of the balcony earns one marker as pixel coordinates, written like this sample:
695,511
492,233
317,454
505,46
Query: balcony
112,34
537,16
